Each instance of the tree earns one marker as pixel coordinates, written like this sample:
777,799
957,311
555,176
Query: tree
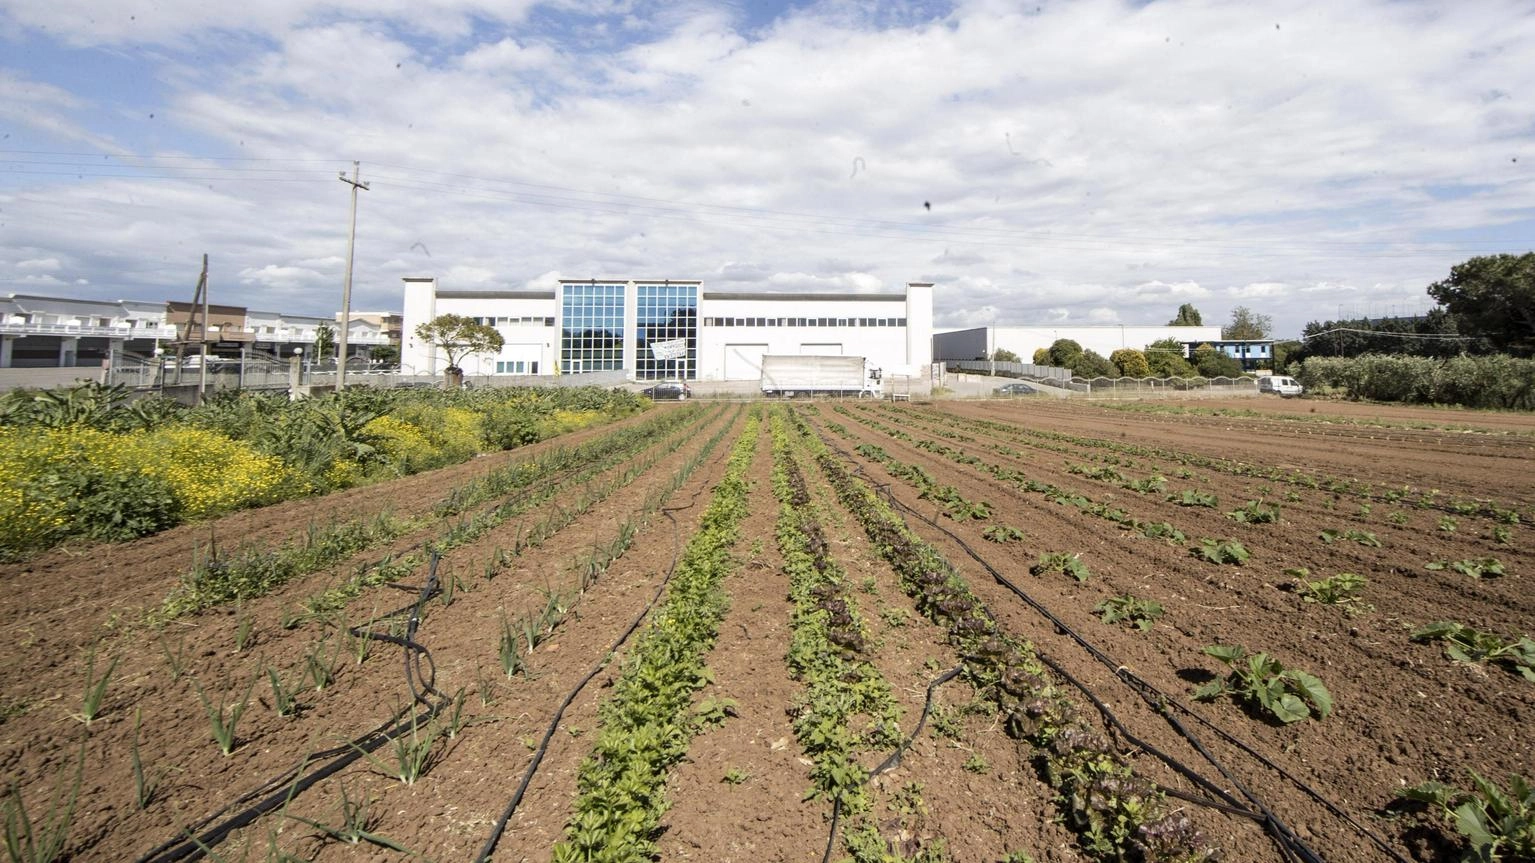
458,337
1131,362
1041,356
1002,355
385,354
1493,296
1247,324
1188,316
324,342
1165,357
1091,364
1065,353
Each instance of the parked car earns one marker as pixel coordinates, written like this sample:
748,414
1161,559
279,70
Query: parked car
1016,390
1286,387
668,390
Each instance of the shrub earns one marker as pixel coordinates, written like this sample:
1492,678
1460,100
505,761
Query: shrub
405,448
1131,362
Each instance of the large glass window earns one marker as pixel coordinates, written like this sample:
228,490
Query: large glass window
666,314
593,335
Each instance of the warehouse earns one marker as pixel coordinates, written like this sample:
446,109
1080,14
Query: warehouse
982,342
650,329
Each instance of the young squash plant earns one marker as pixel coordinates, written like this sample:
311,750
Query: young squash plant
1287,694
1499,824
1221,551
1465,644
1063,562
1132,610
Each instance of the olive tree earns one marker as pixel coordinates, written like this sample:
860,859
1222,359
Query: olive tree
459,337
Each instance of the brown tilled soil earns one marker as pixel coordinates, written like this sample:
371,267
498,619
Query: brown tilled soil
1403,713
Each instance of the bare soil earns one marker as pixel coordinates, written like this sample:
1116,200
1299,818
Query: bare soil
1404,713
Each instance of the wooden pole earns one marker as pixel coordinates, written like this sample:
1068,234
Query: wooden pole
346,287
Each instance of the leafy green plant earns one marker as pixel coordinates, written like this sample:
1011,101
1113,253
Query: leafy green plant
1465,644
283,701
1260,680
1190,497
224,717
735,776
42,841
1448,524
511,660
95,689
1161,530
1499,824
1502,536
1139,613
966,510
1476,567
244,630
356,826
1222,551
1002,533
1396,516
413,752
1064,562
146,784
1363,537
1256,512
1335,590
976,764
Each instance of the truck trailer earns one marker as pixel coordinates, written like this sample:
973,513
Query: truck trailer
791,375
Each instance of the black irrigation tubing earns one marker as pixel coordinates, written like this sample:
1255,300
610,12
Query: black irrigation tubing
282,789
1160,702
895,757
554,723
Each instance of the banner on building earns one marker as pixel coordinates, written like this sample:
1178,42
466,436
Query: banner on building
674,349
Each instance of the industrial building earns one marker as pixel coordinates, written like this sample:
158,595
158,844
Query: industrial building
979,343
651,329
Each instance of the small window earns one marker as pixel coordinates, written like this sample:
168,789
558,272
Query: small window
841,322
900,322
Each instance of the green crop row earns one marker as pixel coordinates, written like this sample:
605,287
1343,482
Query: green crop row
1117,814
645,724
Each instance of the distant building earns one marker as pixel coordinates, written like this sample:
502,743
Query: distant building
662,328
63,332
59,332
979,343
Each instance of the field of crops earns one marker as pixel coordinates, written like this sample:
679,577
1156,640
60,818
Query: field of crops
847,631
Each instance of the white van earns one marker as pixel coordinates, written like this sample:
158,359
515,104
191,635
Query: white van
1285,387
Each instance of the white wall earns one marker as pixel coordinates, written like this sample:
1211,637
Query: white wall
1105,340
720,356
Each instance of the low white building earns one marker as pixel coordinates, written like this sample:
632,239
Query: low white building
62,332
664,328
979,343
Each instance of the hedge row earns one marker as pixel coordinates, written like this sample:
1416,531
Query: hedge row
1497,381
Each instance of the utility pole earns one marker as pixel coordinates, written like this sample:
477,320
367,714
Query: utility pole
346,288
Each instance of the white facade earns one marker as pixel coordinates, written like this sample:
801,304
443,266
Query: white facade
981,342
621,323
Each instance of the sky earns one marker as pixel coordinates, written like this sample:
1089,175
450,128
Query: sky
1092,162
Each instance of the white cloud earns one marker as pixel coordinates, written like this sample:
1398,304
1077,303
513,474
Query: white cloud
841,148
39,264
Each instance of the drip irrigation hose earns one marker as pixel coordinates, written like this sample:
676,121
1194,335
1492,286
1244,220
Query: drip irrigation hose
1159,701
554,723
282,789
895,757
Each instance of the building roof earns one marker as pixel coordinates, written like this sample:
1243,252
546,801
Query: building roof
495,295
803,297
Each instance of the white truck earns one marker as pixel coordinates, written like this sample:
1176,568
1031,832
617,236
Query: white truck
790,375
